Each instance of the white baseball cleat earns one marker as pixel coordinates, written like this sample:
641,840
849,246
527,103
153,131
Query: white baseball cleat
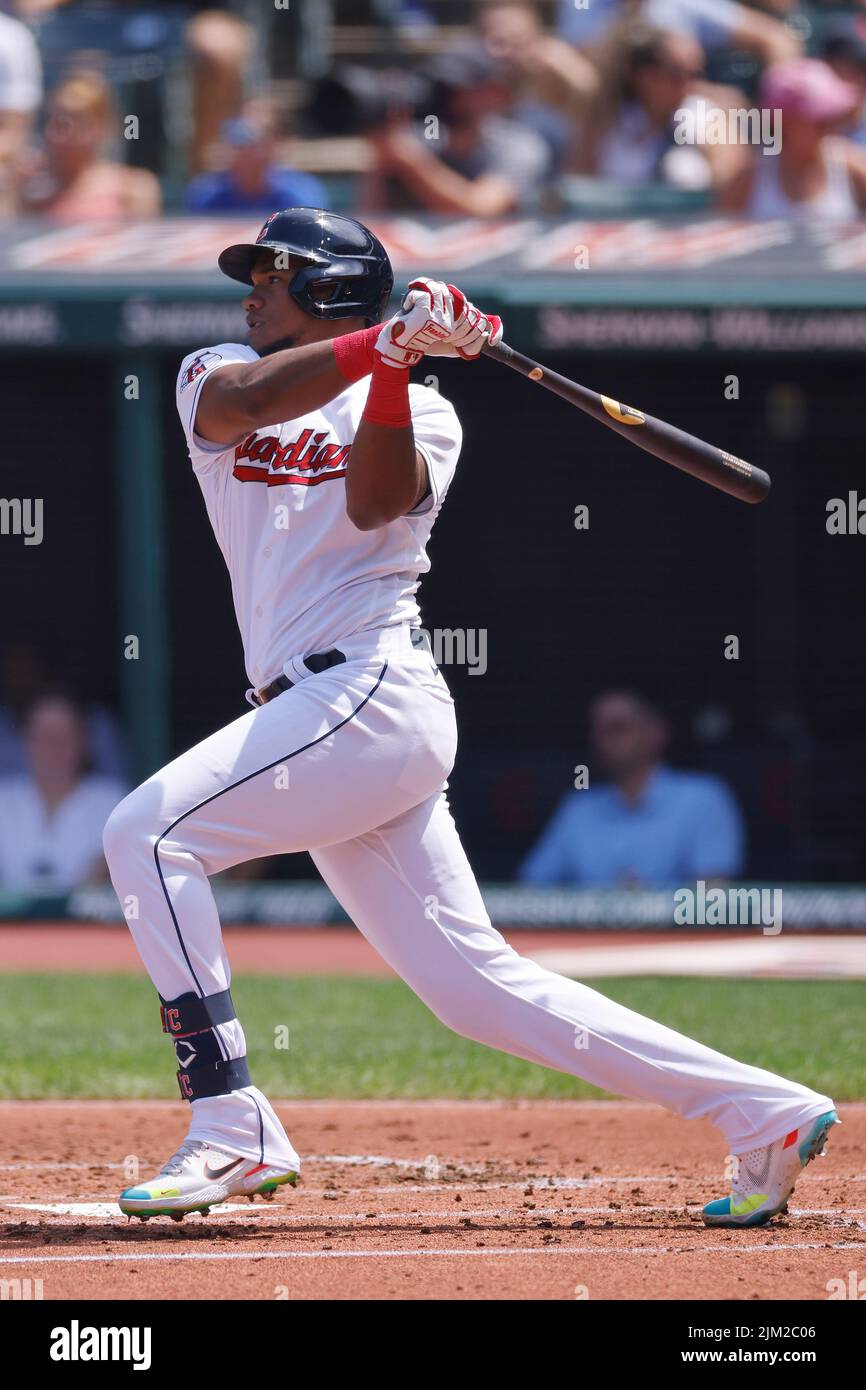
199,1176
766,1176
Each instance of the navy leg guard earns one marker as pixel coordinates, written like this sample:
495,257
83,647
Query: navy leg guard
203,1071
214,1079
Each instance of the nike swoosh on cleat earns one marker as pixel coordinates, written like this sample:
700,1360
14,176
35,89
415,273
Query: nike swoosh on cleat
221,1172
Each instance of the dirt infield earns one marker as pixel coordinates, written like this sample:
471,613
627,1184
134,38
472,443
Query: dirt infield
313,950
317,950
424,1200
420,1200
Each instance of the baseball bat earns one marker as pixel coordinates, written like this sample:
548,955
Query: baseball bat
704,461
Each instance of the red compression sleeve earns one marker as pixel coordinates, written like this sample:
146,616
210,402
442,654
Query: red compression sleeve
353,352
388,401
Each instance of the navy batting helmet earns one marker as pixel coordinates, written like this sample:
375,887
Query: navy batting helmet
347,272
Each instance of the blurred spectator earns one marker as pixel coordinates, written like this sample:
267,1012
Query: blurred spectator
74,180
650,825
20,98
221,44
818,175
51,819
219,48
251,180
844,50
552,84
22,679
471,159
632,139
710,23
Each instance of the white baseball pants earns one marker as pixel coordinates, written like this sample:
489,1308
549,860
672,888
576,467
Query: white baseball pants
350,764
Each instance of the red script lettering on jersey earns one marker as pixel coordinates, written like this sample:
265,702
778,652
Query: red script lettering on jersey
307,460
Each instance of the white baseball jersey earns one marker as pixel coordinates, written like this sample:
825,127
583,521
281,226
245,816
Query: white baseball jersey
303,576
370,744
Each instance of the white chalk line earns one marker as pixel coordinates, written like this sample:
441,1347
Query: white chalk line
334,1218
443,1183
341,1160
539,1185
280,1216
488,1252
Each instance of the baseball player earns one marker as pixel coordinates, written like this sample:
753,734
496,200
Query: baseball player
323,470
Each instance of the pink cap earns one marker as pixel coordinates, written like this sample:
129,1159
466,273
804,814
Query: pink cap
808,87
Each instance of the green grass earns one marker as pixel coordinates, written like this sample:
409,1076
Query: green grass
98,1035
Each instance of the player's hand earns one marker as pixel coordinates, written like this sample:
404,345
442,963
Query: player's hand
472,329
426,317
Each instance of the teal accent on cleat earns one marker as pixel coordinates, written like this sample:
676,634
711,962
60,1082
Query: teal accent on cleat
720,1213
767,1176
813,1146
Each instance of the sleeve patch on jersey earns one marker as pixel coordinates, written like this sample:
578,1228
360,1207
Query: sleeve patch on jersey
198,365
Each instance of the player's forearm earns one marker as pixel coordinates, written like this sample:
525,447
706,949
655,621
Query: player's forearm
289,383
383,476
283,386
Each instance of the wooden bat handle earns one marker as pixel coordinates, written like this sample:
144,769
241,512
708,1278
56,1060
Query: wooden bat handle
732,475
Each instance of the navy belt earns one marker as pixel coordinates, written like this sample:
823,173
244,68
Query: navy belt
319,661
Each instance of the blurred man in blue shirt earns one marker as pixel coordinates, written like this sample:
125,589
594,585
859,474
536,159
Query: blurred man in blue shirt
649,825
252,181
